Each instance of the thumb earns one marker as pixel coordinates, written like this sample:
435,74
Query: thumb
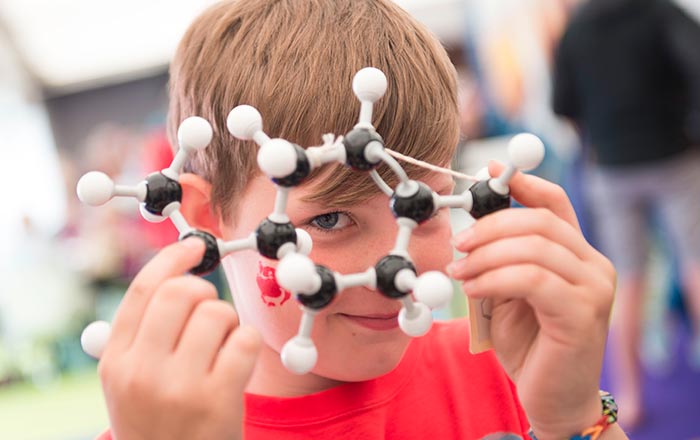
495,168
534,192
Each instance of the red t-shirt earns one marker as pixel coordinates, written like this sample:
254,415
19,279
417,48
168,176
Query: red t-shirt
438,391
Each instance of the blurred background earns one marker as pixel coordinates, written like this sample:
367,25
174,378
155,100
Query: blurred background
83,87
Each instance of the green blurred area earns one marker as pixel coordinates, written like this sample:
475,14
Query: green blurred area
68,408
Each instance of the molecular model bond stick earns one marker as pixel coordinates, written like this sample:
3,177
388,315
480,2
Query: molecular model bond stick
288,165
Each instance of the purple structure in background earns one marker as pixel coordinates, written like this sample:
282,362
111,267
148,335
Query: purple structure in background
671,401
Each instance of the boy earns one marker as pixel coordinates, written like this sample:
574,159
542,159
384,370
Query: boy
179,366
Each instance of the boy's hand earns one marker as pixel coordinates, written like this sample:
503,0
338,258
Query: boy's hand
552,294
176,363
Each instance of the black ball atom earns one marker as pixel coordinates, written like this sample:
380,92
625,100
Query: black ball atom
211,256
270,236
161,191
386,270
301,171
355,143
418,207
325,293
486,200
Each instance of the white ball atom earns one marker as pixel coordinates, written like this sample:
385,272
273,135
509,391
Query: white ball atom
94,338
148,216
95,188
483,174
369,84
299,355
418,325
525,151
244,121
194,134
304,242
434,289
277,158
297,273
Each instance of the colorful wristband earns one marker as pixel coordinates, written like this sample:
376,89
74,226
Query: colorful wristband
608,417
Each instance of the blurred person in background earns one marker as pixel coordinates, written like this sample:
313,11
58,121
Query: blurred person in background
509,46
627,73
111,238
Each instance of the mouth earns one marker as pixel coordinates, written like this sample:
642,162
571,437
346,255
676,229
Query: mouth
378,321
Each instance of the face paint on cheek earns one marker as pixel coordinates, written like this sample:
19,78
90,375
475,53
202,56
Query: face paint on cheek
270,292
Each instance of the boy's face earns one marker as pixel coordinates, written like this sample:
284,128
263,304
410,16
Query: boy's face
357,335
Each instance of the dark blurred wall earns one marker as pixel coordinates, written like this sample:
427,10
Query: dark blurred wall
137,103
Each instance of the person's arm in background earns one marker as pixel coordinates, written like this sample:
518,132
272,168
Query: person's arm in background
681,39
565,101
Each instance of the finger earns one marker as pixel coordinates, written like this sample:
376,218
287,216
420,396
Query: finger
527,249
204,335
237,357
535,192
173,260
167,313
541,288
524,221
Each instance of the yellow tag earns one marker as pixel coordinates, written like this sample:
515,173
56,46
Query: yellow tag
480,325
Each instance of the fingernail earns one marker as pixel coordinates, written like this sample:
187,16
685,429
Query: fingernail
249,334
463,238
468,286
451,268
193,243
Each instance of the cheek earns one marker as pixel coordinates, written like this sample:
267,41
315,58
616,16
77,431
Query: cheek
433,251
259,300
271,294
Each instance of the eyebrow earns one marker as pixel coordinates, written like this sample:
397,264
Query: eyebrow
308,205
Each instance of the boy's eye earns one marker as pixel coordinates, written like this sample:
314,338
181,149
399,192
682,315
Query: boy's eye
331,221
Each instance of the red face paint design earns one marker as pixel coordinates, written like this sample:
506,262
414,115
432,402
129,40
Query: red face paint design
270,292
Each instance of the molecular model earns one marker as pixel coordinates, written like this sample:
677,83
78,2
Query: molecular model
288,165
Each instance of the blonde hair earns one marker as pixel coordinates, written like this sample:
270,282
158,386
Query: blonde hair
294,60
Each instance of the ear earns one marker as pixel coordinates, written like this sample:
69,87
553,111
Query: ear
196,204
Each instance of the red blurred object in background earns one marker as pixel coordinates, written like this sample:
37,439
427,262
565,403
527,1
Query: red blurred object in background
157,155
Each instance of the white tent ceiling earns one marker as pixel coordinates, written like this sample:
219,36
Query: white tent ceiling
73,44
